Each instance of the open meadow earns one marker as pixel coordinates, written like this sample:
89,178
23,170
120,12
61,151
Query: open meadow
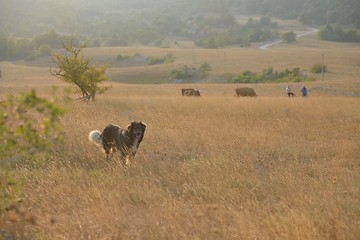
211,167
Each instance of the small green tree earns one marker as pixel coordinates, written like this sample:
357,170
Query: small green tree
318,68
184,73
187,73
289,37
74,68
45,50
204,70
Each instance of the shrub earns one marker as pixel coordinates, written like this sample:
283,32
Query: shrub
318,68
28,124
122,57
184,73
204,70
168,58
155,60
338,34
187,73
289,37
245,77
270,75
45,50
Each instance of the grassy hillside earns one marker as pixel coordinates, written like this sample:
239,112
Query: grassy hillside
341,60
338,57
214,167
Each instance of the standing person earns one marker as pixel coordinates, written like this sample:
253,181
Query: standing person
289,92
304,91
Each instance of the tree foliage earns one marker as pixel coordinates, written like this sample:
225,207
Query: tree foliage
168,58
212,23
255,30
338,34
30,48
187,73
318,68
74,68
28,123
271,75
318,12
289,37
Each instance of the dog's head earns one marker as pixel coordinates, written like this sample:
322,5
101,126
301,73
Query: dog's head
137,130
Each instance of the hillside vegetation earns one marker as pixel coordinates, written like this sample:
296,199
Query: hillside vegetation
31,29
162,17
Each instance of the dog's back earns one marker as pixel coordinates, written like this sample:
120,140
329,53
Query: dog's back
111,135
108,138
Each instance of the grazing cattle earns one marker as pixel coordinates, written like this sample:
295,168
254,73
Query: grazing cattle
190,92
245,92
195,93
184,90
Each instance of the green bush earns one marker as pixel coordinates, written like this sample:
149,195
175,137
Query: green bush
122,57
270,75
45,50
338,34
187,73
155,60
168,58
183,73
289,37
317,68
28,124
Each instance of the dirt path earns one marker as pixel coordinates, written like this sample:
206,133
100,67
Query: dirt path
267,45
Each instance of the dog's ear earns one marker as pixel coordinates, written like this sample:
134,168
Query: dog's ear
130,127
143,125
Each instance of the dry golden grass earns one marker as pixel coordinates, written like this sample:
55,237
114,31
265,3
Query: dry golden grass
214,167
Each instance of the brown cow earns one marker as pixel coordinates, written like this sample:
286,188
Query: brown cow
190,92
245,92
184,90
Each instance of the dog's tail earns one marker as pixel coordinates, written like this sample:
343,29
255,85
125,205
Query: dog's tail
95,137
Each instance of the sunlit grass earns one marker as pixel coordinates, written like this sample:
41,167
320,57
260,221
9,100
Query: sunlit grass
210,167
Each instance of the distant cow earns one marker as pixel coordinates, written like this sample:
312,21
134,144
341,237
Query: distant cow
245,92
195,93
184,90
190,92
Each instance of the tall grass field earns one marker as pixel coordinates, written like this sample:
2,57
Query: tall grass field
209,167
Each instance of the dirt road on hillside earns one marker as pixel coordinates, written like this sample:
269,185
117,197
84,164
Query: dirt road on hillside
266,46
